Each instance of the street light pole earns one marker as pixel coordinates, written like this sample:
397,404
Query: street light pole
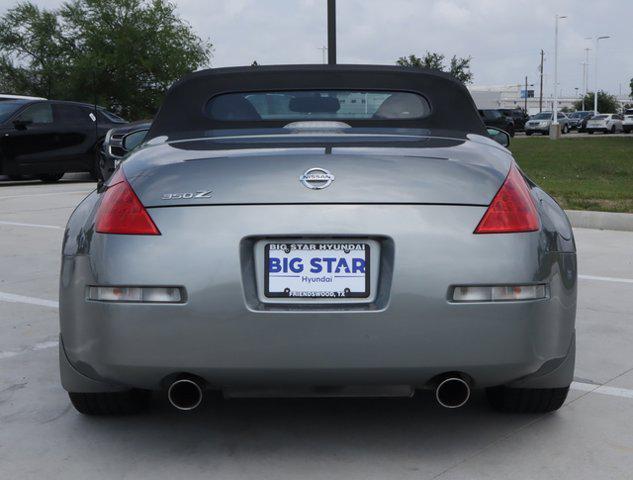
555,114
595,75
540,100
585,83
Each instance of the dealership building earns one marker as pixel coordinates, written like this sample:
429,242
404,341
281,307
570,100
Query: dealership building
513,96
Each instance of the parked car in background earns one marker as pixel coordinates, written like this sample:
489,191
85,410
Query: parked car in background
118,143
4,96
495,118
541,122
627,124
47,138
605,123
576,119
518,115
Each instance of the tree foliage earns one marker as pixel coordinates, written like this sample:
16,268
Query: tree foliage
126,53
631,85
606,103
459,67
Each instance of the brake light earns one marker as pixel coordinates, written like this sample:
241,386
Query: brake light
121,212
512,209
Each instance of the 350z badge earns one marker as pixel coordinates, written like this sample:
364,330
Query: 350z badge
187,195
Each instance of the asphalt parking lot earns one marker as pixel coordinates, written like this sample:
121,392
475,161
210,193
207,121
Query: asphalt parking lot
41,436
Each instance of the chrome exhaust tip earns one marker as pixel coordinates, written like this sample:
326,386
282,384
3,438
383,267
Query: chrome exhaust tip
452,392
185,394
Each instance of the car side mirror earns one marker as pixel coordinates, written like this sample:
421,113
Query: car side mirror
22,124
499,136
133,140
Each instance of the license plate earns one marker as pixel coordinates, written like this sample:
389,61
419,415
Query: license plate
317,270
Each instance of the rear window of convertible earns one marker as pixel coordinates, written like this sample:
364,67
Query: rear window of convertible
317,105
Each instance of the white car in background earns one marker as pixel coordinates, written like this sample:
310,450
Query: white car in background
606,123
627,124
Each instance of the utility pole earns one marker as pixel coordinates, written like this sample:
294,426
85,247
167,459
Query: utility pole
331,32
526,93
540,100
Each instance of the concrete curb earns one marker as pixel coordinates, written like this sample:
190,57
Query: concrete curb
601,220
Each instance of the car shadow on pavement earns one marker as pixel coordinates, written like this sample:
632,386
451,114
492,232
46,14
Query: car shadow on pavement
363,430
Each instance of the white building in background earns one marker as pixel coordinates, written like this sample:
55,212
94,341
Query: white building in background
513,96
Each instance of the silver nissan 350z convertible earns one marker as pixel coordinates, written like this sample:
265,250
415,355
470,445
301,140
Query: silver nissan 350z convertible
318,231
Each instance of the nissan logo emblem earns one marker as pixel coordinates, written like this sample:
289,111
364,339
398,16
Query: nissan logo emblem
316,178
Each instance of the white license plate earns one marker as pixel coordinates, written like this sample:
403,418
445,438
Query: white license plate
317,270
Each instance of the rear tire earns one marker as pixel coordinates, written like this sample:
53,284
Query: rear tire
97,172
110,403
590,132
50,177
529,134
526,400
612,129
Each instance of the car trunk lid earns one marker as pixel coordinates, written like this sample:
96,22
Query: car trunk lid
445,172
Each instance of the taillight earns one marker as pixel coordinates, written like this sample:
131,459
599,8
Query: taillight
121,212
512,209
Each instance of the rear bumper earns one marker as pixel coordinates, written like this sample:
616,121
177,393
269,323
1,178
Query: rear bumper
537,130
226,337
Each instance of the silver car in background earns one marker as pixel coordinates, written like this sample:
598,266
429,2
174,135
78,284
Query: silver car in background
541,122
605,123
627,124
318,230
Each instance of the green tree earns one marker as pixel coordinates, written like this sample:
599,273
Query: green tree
458,67
631,85
606,103
124,52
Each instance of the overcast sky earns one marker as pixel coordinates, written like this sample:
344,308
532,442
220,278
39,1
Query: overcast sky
504,37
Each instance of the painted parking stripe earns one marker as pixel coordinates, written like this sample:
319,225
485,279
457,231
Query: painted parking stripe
602,389
606,279
13,298
33,225
26,195
33,348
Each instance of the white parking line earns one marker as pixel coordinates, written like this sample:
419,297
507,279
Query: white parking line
13,298
602,389
34,348
606,279
23,195
34,225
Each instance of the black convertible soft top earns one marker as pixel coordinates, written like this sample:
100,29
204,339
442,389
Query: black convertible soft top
182,115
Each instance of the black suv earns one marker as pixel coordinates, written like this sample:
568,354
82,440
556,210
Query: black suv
518,115
46,139
494,118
